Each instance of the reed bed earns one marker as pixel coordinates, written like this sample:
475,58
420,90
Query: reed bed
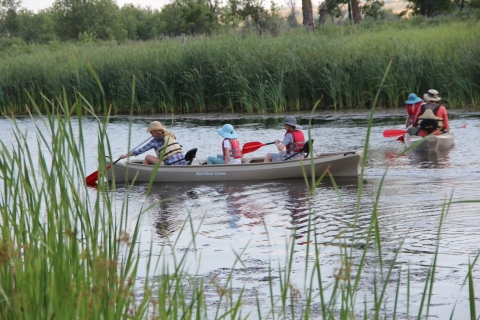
339,65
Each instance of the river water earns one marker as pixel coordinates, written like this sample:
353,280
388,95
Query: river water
254,220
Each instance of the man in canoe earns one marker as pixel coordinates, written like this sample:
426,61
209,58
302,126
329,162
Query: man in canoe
432,117
291,148
166,147
231,151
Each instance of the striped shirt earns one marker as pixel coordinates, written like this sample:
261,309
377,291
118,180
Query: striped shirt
158,144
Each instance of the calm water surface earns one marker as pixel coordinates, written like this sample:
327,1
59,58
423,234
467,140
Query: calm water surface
254,220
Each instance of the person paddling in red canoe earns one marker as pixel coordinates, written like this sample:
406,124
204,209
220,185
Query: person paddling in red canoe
292,142
166,147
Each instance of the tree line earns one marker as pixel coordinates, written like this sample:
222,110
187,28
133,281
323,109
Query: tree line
89,20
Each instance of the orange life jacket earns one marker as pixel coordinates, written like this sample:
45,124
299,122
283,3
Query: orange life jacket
235,152
298,142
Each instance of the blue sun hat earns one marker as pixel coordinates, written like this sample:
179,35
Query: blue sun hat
227,131
412,99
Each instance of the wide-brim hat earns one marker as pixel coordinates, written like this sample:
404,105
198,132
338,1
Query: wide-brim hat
291,121
412,99
156,126
227,131
432,95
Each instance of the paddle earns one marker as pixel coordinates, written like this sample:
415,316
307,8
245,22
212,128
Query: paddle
398,133
394,133
92,178
253,146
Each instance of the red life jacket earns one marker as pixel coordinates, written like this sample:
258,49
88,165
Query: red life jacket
298,142
235,152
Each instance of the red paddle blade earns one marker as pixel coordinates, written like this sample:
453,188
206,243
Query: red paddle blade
92,178
401,138
252,146
393,133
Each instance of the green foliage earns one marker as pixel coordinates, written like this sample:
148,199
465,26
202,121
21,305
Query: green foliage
373,9
36,28
188,17
474,4
74,17
10,42
138,23
9,22
429,8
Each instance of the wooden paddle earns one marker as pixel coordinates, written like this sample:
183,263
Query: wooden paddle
92,178
395,133
253,146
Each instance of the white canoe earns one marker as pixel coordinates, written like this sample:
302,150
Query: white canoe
432,143
339,164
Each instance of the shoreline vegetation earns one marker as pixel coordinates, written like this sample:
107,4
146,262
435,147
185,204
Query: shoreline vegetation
338,66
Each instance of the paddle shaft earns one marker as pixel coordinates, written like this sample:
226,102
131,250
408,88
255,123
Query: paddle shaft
93,177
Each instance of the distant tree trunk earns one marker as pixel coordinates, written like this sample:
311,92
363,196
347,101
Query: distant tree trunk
307,11
323,13
349,9
462,5
357,15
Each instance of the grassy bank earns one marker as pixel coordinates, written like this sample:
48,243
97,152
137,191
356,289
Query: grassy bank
341,65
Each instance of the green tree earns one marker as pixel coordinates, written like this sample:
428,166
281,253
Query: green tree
37,28
334,9
98,17
373,9
129,18
9,22
254,15
430,8
148,24
474,4
189,17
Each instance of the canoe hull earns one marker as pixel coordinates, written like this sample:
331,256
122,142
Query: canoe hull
339,164
432,143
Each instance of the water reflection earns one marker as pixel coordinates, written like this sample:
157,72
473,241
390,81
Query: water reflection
419,158
302,217
430,159
245,206
169,201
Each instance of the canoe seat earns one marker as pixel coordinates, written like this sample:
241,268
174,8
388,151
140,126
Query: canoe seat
306,150
189,156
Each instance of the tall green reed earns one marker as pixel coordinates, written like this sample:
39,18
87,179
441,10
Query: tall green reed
342,64
62,252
